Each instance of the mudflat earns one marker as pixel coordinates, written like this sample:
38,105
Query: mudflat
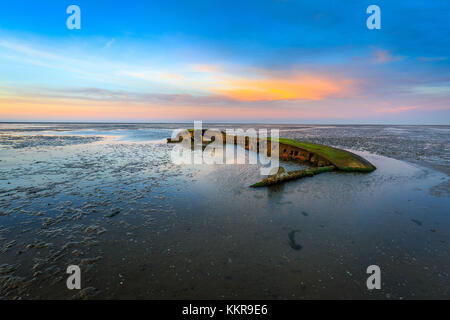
107,197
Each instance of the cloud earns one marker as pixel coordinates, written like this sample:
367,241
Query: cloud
396,109
431,59
62,61
384,56
92,94
155,75
110,43
301,87
432,90
208,68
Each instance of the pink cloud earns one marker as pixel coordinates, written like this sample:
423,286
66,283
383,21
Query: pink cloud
384,56
397,109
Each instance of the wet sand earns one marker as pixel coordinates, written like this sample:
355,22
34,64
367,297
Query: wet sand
108,198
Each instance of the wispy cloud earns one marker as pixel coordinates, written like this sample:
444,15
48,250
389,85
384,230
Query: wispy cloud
301,87
432,90
431,59
398,109
54,58
110,43
385,56
206,68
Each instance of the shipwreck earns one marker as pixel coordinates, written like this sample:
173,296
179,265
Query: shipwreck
319,158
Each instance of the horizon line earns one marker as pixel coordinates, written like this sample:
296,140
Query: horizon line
223,122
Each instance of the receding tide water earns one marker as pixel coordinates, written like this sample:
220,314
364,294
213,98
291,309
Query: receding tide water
107,197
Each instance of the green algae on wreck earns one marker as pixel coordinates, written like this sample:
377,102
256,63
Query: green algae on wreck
341,159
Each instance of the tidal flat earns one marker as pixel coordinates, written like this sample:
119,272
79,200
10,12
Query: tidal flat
107,197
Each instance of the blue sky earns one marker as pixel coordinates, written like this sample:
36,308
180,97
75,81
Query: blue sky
257,61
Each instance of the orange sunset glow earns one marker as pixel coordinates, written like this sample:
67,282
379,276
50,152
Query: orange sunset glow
300,87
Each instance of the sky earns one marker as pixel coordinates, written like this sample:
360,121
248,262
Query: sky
277,61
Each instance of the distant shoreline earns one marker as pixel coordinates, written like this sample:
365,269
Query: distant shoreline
226,123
